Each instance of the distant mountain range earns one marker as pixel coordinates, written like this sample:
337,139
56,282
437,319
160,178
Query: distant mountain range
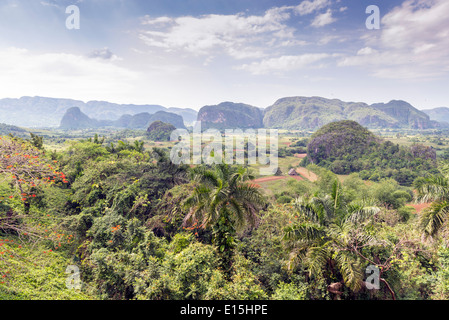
48,112
229,115
438,114
314,112
74,118
299,113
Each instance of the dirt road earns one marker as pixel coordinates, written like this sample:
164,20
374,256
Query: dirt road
309,175
271,178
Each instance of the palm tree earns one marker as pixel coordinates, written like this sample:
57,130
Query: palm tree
139,146
226,200
434,189
327,235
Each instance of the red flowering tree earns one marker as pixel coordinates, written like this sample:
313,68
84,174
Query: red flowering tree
26,168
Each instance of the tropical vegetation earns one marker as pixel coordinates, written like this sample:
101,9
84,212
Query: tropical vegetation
137,226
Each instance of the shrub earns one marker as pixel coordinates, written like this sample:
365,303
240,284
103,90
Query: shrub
289,291
284,199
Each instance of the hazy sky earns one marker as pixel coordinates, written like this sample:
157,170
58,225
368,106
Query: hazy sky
191,53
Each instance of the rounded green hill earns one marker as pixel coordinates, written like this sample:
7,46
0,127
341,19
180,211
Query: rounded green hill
340,139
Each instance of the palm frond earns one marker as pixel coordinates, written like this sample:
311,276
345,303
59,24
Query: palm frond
434,188
358,212
316,259
307,209
203,175
238,211
340,233
350,269
305,231
335,193
325,207
433,218
248,193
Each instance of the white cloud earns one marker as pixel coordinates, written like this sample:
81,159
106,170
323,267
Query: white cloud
248,53
49,4
104,54
293,42
416,23
284,63
62,75
412,44
323,19
147,20
239,36
137,79
59,3
308,7
366,51
329,38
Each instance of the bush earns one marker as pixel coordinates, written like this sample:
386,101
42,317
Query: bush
244,285
289,291
284,199
441,275
405,213
389,194
186,274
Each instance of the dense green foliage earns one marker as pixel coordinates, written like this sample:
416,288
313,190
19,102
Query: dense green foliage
345,147
160,131
224,199
139,227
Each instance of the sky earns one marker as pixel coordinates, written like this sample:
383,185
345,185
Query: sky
192,53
